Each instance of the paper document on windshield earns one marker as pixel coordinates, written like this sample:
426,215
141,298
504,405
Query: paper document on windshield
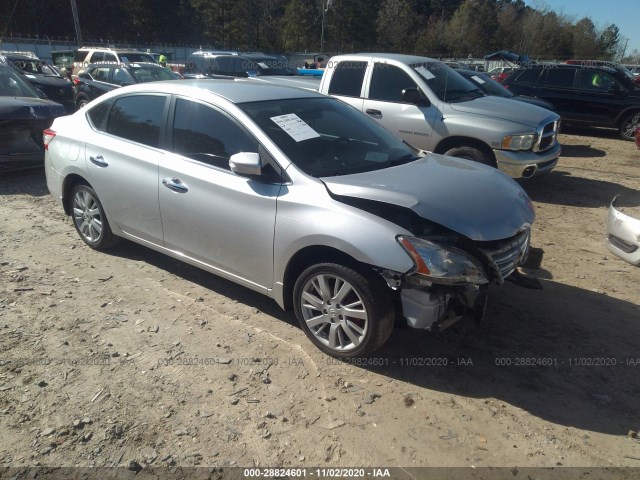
295,127
478,79
425,73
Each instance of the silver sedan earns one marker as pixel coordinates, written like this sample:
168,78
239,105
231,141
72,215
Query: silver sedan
295,195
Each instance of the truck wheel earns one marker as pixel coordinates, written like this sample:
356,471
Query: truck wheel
345,313
471,153
628,125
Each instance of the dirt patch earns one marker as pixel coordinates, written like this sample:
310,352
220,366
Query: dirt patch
130,356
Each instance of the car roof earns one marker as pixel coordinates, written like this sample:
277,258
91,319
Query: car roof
115,50
122,64
234,90
398,57
21,56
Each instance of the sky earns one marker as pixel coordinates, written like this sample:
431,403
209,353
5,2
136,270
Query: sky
624,13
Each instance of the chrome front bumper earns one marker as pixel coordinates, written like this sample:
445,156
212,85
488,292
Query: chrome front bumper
527,164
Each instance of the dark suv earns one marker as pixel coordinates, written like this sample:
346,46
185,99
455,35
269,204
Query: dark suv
593,96
99,78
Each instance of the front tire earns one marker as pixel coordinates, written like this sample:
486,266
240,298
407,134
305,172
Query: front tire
471,153
343,312
89,218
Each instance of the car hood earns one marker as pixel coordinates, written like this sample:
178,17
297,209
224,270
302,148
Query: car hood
503,109
27,108
471,199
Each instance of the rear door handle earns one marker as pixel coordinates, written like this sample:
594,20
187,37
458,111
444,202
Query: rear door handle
175,184
371,111
99,161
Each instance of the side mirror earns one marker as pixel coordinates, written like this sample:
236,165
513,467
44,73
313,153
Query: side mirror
413,96
246,164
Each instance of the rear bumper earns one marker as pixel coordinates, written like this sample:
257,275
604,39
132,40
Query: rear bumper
527,164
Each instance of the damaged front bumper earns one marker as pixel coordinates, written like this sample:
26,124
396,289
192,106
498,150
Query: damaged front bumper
428,305
623,235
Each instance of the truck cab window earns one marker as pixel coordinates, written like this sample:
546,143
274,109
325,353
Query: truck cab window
387,83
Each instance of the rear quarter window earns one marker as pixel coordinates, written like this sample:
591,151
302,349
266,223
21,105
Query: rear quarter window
98,116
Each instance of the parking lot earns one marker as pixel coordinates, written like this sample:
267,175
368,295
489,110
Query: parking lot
132,356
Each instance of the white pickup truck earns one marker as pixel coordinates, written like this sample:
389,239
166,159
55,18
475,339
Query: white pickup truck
432,107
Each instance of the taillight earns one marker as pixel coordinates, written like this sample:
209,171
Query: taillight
47,136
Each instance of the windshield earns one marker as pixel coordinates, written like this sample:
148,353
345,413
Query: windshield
324,137
446,83
490,86
150,74
11,85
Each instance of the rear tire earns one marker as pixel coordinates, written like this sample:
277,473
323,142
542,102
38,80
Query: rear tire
471,153
89,218
345,313
82,102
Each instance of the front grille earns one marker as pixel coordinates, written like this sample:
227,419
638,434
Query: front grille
504,258
547,138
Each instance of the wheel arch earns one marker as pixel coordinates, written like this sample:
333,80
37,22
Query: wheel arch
69,182
462,141
311,255
625,113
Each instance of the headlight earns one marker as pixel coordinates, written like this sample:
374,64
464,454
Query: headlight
518,142
442,264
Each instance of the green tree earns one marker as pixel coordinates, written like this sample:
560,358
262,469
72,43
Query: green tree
609,41
585,39
396,25
300,26
472,28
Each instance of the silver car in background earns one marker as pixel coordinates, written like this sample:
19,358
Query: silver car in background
295,195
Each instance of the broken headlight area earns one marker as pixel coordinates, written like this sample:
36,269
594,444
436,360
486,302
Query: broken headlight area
449,283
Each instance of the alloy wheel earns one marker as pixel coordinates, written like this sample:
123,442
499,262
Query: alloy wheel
334,312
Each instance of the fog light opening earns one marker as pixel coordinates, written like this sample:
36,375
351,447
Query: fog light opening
529,171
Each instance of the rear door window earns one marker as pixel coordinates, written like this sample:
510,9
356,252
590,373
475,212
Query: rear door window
560,77
138,118
347,78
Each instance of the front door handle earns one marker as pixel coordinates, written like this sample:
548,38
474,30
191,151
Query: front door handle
371,111
99,161
175,184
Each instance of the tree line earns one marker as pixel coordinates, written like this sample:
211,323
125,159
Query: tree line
444,28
